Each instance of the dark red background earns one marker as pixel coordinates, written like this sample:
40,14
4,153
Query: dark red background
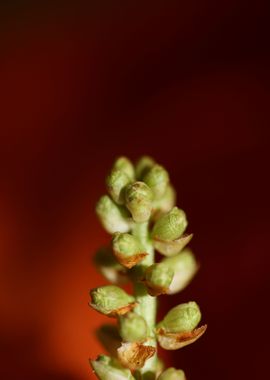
186,82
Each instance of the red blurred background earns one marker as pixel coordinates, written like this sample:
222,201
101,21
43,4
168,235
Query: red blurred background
186,82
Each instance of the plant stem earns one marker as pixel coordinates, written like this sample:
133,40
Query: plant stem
147,305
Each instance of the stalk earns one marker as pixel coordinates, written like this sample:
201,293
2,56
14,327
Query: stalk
147,305
139,212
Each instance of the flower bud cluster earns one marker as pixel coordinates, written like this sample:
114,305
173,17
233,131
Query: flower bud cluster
140,213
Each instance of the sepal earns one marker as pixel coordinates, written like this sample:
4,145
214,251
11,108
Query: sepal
174,341
171,247
134,355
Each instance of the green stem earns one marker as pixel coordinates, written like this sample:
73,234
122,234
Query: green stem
147,305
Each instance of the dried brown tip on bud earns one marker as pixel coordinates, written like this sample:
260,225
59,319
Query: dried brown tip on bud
134,355
174,341
122,310
171,247
111,300
130,262
127,250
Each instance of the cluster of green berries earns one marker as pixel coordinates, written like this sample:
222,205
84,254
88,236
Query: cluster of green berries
140,213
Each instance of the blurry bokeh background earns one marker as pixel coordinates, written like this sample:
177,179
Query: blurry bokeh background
186,82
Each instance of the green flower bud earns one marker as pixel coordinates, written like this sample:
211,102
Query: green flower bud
185,267
144,164
181,318
125,165
157,178
113,218
158,278
109,267
166,202
107,368
139,201
133,327
170,226
116,183
172,374
111,300
127,249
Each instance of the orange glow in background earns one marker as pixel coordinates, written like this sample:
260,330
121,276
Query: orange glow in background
186,83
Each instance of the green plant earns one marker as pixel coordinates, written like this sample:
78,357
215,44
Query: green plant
141,215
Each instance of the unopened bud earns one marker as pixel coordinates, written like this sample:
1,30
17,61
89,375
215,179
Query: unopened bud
125,165
111,300
139,201
143,165
166,202
157,178
116,183
127,249
170,226
172,374
182,318
178,328
112,217
107,368
185,267
158,278
133,327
